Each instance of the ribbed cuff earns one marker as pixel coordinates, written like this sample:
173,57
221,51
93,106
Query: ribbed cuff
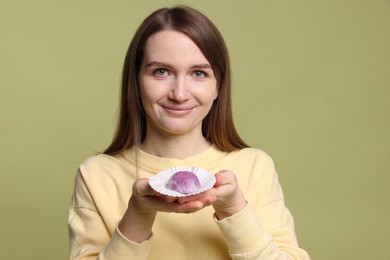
243,232
121,248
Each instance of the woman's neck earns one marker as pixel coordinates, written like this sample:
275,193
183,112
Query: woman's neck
178,147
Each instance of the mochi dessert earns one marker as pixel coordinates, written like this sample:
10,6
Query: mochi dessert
184,182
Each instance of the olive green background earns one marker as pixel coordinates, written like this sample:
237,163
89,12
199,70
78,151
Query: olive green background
311,87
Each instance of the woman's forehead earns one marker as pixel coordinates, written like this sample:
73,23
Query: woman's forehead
172,47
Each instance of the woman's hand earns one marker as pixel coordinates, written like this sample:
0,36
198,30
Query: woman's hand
136,224
148,201
226,197
144,203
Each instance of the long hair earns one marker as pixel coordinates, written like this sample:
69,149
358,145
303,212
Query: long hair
217,126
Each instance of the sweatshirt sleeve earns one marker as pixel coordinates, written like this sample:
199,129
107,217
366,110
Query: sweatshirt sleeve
264,229
88,235
247,239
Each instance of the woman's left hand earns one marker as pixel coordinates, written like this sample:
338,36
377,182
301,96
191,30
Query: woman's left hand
226,196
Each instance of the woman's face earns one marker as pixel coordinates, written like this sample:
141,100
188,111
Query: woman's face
177,84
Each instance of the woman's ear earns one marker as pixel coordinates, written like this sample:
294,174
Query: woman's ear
216,92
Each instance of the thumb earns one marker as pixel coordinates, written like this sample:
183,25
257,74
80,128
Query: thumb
219,178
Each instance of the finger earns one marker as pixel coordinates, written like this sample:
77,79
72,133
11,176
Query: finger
162,205
205,198
225,177
189,207
142,188
218,180
170,199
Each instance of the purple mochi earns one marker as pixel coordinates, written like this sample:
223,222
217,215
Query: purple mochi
184,182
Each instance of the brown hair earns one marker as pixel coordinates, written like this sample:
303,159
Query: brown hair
217,126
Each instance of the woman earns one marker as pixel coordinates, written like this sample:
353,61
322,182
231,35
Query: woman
176,111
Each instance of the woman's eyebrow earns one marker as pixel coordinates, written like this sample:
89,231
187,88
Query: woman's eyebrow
166,65
158,64
202,66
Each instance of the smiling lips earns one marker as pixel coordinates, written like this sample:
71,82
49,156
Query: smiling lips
177,111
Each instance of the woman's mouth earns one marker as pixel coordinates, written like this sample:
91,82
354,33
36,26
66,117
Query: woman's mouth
178,111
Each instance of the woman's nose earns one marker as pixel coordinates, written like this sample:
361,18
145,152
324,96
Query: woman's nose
179,91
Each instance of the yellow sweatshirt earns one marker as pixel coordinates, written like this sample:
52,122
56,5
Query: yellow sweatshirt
263,230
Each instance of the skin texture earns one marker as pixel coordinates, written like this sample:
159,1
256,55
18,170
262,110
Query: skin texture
178,88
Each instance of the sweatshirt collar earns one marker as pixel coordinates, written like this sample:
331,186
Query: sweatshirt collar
156,164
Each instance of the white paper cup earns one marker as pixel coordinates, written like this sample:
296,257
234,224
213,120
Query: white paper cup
159,181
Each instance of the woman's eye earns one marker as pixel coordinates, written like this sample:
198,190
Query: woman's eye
199,74
160,72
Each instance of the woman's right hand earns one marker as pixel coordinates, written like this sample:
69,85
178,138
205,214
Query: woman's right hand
144,203
145,200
